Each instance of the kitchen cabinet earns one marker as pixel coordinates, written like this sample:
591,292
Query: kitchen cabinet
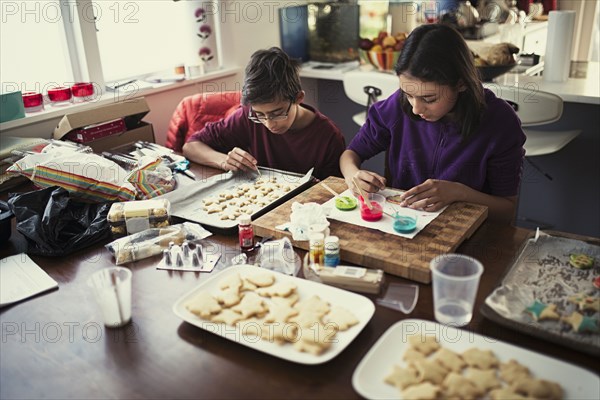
534,38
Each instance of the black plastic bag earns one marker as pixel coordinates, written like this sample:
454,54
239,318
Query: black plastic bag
56,225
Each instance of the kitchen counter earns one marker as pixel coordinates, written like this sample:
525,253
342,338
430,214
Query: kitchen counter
584,90
576,90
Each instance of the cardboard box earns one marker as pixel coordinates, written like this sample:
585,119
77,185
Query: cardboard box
131,111
94,132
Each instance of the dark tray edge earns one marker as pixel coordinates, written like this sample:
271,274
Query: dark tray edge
492,315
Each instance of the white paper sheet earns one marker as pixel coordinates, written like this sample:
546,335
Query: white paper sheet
385,224
21,278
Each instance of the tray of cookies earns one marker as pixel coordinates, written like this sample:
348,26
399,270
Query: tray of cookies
218,202
287,317
418,359
549,291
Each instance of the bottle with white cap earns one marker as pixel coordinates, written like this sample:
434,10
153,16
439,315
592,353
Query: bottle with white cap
332,251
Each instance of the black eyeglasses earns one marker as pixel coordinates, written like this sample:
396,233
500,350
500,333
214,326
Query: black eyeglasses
262,119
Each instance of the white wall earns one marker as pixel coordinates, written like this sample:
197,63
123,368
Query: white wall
586,26
249,25
246,26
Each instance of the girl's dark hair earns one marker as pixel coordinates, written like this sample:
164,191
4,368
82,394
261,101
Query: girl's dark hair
271,76
438,53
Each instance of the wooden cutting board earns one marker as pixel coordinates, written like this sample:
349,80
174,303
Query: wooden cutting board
408,258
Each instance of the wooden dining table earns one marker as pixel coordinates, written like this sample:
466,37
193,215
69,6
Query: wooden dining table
55,344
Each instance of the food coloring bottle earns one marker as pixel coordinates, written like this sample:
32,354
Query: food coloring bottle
316,245
332,251
246,232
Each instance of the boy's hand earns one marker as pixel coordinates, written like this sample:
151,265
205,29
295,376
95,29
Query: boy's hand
238,159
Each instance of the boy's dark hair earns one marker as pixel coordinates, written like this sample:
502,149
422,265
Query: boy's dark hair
438,53
271,76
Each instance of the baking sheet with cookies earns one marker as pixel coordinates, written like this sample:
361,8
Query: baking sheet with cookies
360,306
370,374
543,275
218,201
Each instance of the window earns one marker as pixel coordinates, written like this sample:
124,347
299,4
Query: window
34,46
151,35
50,42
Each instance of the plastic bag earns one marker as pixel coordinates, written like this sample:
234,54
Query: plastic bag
153,241
56,225
86,176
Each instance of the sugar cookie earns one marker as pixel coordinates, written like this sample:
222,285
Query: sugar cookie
402,377
460,387
227,316
449,359
425,344
540,311
203,305
281,289
340,318
250,305
484,379
581,323
422,391
478,358
512,370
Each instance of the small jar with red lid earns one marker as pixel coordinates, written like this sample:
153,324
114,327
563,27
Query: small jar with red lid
82,91
60,96
33,102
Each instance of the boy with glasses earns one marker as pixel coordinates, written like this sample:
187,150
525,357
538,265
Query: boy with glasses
272,128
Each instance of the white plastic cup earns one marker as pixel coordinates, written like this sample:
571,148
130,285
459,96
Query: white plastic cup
455,283
112,290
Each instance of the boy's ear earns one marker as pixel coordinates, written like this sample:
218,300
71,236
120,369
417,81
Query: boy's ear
300,97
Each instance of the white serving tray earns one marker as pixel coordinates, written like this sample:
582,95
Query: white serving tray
360,306
368,378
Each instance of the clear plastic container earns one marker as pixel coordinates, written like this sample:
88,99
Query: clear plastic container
135,216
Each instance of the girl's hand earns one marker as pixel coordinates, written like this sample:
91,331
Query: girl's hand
369,181
238,159
432,195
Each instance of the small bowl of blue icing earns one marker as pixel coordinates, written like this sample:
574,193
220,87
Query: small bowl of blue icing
404,223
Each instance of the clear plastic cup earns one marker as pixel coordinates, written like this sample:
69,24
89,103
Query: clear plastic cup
375,212
455,283
112,289
279,256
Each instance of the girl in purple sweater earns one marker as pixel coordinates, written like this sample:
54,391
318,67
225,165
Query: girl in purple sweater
447,138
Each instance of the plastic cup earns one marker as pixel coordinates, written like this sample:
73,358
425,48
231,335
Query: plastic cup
278,256
112,289
404,223
377,203
455,282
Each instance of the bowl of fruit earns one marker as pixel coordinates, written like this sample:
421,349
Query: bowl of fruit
383,51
